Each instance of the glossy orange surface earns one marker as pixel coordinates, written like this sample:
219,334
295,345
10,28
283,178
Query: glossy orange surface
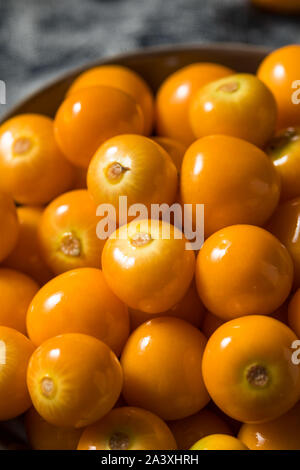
175,149
9,229
67,233
32,168
124,79
147,265
16,292
73,380
175,94
279,70
243,270
248,369
235,180
91,116
219,442
282,433
26,256
135,167
284,151
189,308
284,224
128,428
15,351
231,106
78,301
45,436
161,365
189,430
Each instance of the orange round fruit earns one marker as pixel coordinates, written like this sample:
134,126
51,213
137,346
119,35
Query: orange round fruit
91,116
248,370
162,368
73,380
135,167
128,428
15,352
67,233
147,265
32,168
235,181
189,308
124,79
26,256
228,106
45,436
243,270
280,70
78,301
175,94
9,229
189,430
219,442
279,434
284,150
16,292
284,224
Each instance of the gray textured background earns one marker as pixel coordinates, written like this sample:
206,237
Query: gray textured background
41,38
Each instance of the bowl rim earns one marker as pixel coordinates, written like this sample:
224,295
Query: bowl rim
235,47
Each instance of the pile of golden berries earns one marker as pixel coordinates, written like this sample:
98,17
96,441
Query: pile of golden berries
135,340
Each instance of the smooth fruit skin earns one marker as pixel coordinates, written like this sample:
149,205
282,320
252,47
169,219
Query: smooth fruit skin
128,428
174,97
219,442
91,116
9,229
284,150
243,270
67,233
284,224
15,351
73,380
279,434
26,256
235,181
248,370
146,266
78,301
294,313
278,71
189,308
32,168
228,106
16,292
44,436
133,166
123,79
189,430
162,368
175,149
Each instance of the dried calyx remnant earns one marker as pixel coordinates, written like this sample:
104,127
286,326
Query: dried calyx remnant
115,171
140,239
47,387
257,376
21,145
229,87
119,441
70,245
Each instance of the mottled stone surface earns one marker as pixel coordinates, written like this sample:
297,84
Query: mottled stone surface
40,39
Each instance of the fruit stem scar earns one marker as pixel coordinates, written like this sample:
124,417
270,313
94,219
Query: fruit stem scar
119,441
47,387
140,239
70,245
115,170
257,376
229,87
21,145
